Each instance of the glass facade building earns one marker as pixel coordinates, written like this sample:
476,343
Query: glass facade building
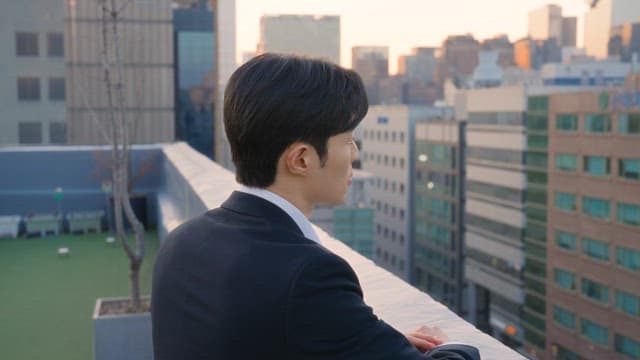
438,234
194,61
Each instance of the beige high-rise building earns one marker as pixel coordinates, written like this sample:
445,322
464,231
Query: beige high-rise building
547,22
315,36
599,20
146,47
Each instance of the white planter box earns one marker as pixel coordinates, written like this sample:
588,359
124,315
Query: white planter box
121,337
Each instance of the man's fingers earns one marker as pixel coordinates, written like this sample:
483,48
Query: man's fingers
430,338
420,343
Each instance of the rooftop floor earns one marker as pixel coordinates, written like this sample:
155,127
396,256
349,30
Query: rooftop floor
46,301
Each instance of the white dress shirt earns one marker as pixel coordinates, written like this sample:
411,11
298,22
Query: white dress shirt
298,217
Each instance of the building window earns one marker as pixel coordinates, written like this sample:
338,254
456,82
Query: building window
564,317
564,279
30,133
401,214
627,303
595,291
565,201
628,258
26,44
401,163
597,165
566,162
598,208
401,188
57,89
629,123
393,136
627,346
57,133
565,240
402,137
628,214
595,249
597,123
28,89
594,332
401,239
401,265
629,168
567,122
55,45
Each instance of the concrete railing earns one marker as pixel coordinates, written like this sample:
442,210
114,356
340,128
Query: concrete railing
193,184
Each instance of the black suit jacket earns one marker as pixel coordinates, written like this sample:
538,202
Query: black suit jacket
242,282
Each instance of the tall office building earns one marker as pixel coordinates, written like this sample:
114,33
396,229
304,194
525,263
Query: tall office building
194,43
33,90
530,54
494,211
225,31
547,22
569,31
372,64
388,137
310,35
501,45
146,50
438,215
601,18
624,42
460,55
419,65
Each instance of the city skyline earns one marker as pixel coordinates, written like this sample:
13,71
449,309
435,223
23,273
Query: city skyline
404,25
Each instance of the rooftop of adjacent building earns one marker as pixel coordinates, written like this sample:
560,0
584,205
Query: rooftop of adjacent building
188,183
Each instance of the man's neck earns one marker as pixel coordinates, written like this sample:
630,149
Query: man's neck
289,192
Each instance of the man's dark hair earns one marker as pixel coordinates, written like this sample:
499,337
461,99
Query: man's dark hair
274,100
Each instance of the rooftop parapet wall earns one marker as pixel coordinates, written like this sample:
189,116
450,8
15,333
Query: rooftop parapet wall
192,184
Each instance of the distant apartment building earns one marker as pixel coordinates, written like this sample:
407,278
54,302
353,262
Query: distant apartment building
146,51
547,22
194,59
460,55
372,64
624,42
352,222
33,92
599,20
419,65
437,254
530,54
583,214
388,136
501,45
310,35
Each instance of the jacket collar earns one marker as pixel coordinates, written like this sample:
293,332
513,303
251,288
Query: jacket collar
255,206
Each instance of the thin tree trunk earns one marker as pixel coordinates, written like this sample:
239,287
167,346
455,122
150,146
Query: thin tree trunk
120,145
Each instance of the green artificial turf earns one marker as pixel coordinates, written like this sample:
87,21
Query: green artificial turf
47,301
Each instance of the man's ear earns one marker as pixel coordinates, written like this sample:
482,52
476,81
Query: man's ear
298,158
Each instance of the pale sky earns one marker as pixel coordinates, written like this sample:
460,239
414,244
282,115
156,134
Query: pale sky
403,24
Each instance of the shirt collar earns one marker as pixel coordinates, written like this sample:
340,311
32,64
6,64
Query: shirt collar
298,217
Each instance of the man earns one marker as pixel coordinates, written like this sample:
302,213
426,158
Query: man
250,280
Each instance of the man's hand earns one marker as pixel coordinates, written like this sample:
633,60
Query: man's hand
425,338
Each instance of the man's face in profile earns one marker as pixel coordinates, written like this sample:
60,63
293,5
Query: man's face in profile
329,183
